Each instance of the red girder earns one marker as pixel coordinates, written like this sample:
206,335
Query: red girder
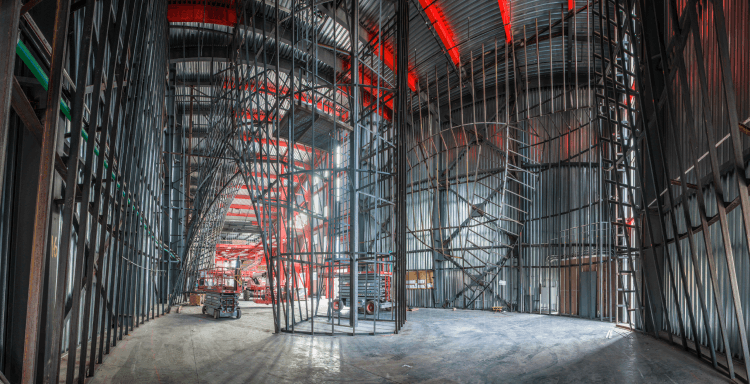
371,94
272,190
221,12
270,208
284,144
505,13
244,215
272,176
442,28
386,55
268,87
240,206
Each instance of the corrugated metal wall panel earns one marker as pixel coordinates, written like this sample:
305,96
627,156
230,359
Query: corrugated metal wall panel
738,31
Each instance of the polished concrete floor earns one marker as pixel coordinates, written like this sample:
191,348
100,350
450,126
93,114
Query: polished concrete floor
435,345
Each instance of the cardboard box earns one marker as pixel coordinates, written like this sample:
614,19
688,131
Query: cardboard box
419,279
411,279
196,299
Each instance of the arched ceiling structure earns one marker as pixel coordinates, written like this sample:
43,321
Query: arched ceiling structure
446,37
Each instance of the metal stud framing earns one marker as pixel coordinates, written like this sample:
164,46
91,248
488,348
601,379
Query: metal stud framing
100,151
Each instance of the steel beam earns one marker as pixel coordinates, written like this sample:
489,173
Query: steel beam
9,15
730,103
44,191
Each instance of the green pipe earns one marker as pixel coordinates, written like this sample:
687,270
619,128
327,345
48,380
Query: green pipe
38,72
43,79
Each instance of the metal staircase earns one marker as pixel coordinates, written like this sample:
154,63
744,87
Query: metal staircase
614,97
517,182
627,256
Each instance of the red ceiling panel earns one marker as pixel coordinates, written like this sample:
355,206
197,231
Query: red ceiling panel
442,28
222,12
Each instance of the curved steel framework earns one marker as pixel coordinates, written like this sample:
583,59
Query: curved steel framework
621,225
314,157
591,162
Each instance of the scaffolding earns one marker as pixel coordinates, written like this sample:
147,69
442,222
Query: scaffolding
313,148
586,161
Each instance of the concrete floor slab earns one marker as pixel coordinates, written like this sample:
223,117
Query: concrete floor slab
436,345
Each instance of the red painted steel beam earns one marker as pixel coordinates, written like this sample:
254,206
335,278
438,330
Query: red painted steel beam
373,92
385,53
240,206
273,190
283,160
571,5
252,216
324,105
272,176
221,12
263,175
248,207
370,101
505,13
226,252
282,144
227,247
443,29
370,94
247,197
244,215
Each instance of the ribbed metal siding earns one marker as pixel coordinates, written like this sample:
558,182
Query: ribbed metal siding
738,31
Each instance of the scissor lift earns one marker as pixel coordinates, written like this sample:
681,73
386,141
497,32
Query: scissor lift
222,287
373,293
